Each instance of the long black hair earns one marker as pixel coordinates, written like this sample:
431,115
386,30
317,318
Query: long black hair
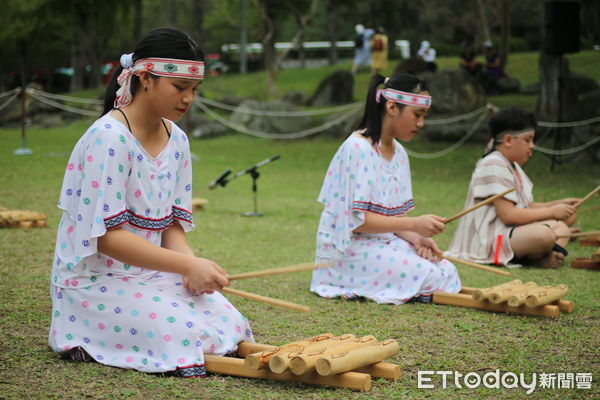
160,43
371,120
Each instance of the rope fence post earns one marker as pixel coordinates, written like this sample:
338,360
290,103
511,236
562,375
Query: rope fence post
23,150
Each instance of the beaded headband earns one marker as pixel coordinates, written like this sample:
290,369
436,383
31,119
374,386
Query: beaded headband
167,67
409,99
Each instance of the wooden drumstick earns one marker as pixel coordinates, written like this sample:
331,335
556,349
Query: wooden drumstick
579,234
589,196
476,206
475,265
265,299
277,271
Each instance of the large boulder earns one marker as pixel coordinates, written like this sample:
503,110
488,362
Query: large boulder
411,65
268,123
335,89
508,84
454,93
200,127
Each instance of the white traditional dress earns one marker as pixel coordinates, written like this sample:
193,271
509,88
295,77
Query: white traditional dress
381,267
477,233
123,315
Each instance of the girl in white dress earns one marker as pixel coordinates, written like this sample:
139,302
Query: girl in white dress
127,290
377,251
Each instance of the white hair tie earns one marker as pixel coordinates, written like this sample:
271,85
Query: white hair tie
126,60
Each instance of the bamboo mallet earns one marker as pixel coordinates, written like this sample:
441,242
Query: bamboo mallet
278,271
589,196
265,299
476,206
475,265
580,234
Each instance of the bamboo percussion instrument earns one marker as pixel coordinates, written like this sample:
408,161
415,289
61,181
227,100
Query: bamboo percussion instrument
475,265
22,219
480,204
466,300
580,234
280,362
483,293
235,366
585,263
502,295
589,196
596,255
259,358
358,357
377,370
278,271
306,361
265,299
546,295
566,306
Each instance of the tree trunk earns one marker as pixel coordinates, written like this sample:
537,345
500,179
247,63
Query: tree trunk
268,43
198,26
138,8
77,77
485,30
505,41
332,31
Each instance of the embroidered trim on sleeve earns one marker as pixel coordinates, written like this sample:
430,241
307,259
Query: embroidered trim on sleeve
382,210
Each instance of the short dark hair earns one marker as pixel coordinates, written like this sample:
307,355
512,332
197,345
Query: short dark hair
511,119
161,43
371,120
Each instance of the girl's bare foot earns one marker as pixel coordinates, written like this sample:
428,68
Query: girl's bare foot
551,260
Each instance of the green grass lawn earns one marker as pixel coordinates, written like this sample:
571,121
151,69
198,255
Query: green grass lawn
431,337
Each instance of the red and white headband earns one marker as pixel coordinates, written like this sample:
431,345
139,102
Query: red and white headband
409,99
167,67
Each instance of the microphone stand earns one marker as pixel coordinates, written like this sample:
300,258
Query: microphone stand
252,171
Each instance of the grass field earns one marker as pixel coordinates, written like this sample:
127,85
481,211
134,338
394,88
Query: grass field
431,337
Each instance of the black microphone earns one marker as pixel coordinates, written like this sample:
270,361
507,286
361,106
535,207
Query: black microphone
220,180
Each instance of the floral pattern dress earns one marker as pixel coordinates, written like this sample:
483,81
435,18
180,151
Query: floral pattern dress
123,315
381,267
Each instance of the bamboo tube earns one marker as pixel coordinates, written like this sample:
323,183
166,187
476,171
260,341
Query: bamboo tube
502,295
281,362
381,370
355,358
518,299
476,206
306,361
235,367
546,295
265,299
566,306
596,255
579,234
481,294
260,359
589,196
277,271
467,290
464,300
475,265
377,370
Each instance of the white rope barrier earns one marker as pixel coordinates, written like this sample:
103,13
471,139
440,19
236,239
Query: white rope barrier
65,98
452,147
457,118
268,135
568,151
62,106
10,99
10,92
569,124
245,110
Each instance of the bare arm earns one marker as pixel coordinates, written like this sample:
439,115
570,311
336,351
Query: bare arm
426,225
129,248
512,215
569,200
